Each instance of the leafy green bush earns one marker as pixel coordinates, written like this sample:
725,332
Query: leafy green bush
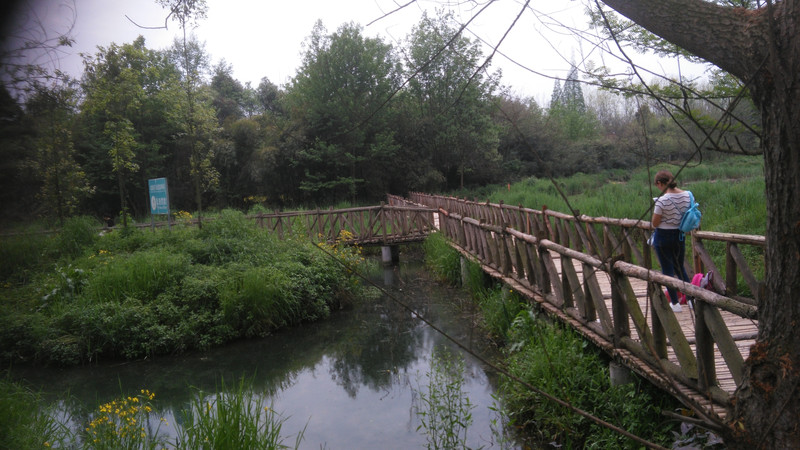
142,275
258,301
21,255
141,293
499,306
77,234
21,334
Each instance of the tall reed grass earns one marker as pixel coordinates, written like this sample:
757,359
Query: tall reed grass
730,193
233,417
24,422
444,410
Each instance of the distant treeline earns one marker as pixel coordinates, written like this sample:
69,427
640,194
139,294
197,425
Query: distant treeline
360,118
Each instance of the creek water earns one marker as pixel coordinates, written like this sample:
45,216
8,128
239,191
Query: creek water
352,381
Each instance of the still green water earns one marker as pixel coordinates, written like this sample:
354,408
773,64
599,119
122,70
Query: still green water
352,381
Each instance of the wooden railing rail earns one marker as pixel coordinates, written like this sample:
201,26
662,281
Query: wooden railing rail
599,236
518,244
364,225
608,238
735,263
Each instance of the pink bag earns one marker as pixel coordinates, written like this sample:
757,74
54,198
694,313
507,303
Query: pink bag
696,279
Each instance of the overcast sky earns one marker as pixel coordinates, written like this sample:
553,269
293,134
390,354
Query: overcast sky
263,38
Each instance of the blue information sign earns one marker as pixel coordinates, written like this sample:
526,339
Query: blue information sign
159,197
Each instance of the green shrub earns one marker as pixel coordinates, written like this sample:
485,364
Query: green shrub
77,234
21,334
258,301
442,259
231,237
142,275
21,255
499,307
149,292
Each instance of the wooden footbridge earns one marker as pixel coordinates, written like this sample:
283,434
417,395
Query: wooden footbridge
593,274
370,225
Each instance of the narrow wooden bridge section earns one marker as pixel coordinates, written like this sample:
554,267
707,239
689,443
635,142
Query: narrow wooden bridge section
384,224
592,273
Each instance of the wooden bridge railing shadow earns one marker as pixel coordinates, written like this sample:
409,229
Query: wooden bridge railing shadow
596,273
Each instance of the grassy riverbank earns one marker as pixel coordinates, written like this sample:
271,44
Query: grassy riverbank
730,193
76,296
559,362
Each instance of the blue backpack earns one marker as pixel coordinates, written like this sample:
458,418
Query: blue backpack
691,218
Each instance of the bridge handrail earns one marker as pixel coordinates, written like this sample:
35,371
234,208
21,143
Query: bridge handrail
630,239
368,224
524,259
731,305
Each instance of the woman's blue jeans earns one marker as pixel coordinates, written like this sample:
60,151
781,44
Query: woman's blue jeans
671,251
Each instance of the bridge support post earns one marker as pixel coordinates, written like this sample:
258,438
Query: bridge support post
620,374
388,275
390,254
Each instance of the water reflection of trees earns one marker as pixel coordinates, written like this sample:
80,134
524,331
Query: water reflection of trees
385,342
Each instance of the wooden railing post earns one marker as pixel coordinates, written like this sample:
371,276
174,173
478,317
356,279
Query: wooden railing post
619,310
706,367
730,270
659,333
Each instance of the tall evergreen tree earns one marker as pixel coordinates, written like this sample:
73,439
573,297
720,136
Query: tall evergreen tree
63,183
337,100
452,103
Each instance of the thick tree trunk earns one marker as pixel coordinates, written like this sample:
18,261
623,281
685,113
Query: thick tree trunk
762,48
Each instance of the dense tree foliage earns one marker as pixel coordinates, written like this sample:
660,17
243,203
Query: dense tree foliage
336,103
128,118
451,102
361,117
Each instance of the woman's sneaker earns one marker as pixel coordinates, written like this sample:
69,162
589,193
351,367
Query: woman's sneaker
676,307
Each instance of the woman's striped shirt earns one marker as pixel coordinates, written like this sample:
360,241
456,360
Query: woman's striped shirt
671,208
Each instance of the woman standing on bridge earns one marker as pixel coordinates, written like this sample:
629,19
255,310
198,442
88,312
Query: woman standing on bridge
668,238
